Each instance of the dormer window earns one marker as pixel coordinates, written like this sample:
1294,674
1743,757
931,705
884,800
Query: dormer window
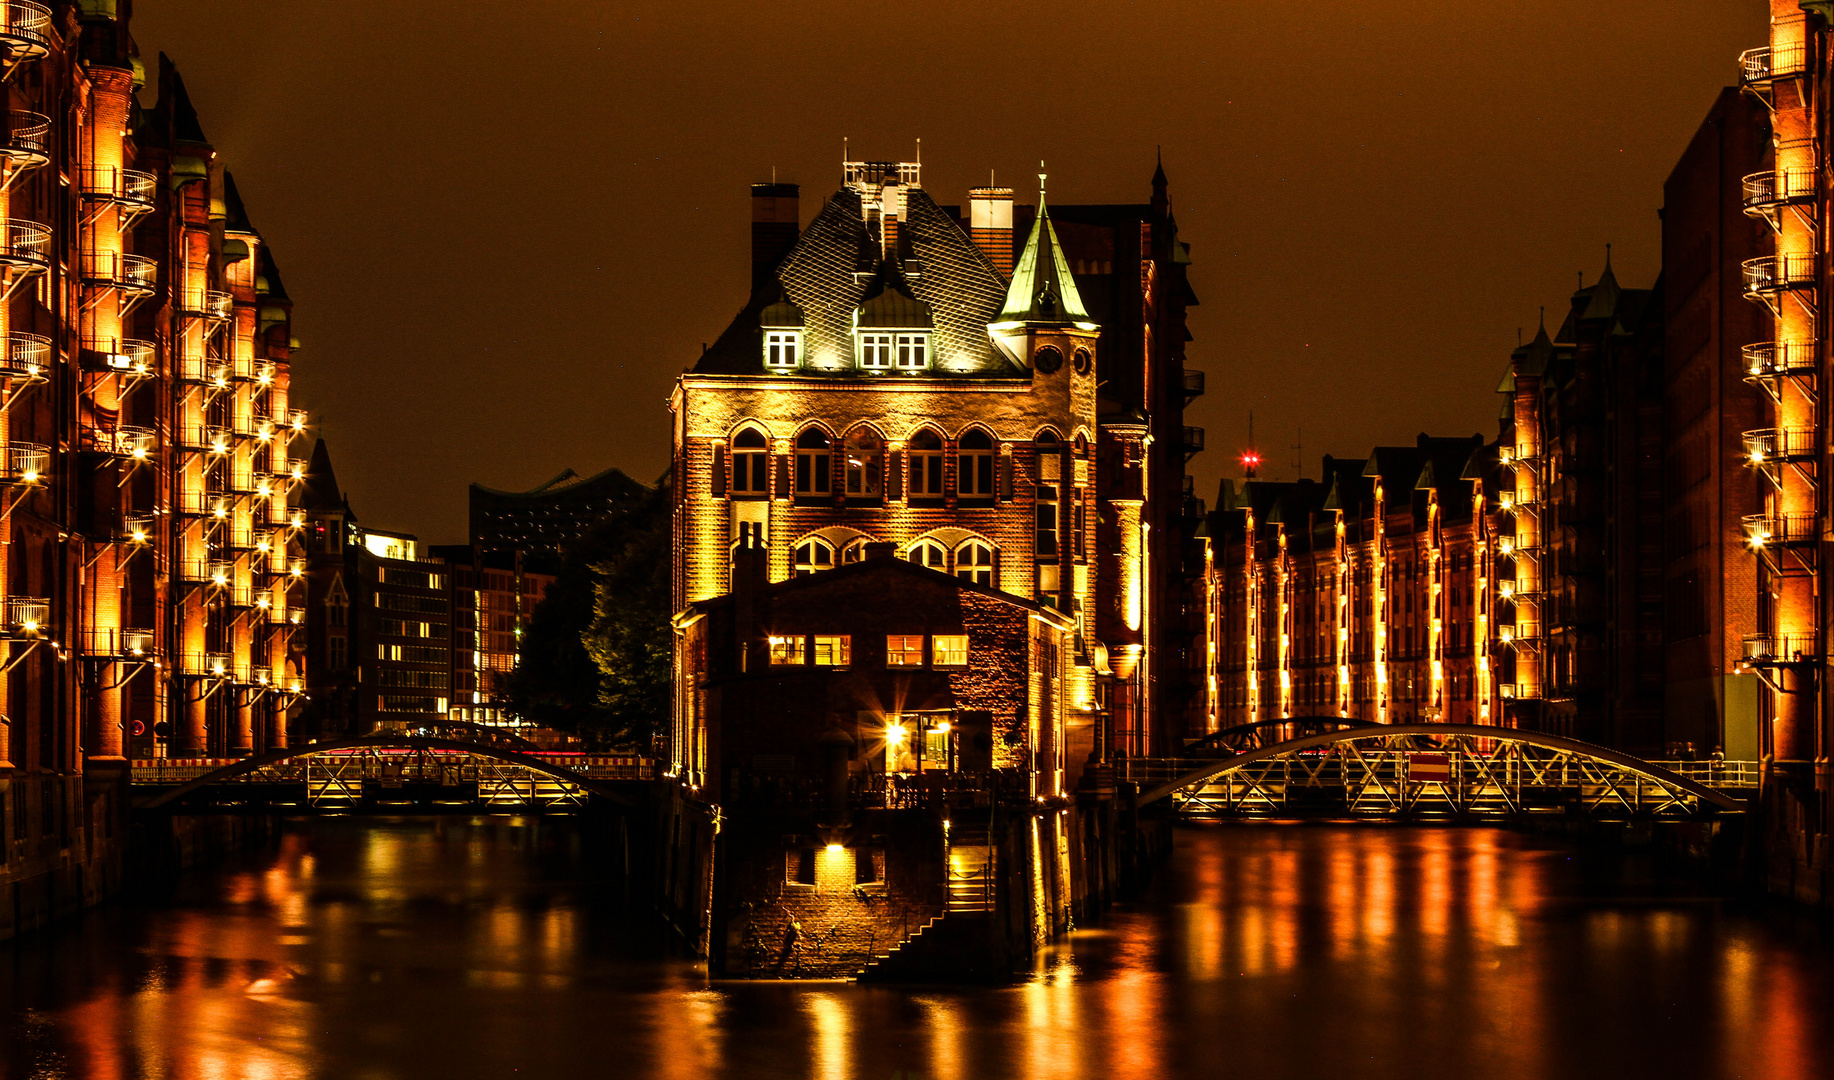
913,352
781,348
876,351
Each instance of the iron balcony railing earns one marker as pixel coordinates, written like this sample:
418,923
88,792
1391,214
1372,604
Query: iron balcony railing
25,246
24,462
1770,274
203,504
126,355
117,643
1519,631
25,29
1777,648
1767,359
27,357
206,438
209,665
217,572
263,372
1762,66
1765,191
129,273
130,188
124,440
27,144
1193,383
27,616
137,530
1762,530
211,304
1192,439
1765,445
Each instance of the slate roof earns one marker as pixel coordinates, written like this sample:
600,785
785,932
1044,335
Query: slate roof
834,266
1043,289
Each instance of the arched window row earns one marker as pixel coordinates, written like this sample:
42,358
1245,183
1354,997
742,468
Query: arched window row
864,470
971,560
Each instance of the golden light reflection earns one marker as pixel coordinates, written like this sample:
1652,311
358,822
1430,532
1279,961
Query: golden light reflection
833,1030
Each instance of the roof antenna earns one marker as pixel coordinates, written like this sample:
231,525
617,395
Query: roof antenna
773,175
1041,175
1582,279
1518,337
1607,255
920,157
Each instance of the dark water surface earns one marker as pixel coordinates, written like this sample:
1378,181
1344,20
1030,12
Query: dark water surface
446,948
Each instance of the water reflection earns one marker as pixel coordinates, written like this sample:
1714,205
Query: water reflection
404,949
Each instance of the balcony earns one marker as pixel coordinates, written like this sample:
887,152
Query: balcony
132,274
1765,650
208,665
206,439
220,573
1765,192
233,536
256,675
1193,385
123,441
25,30
118,644
1519,632
1760,67
1191,439
130,189
1765,446
203,504
208,304
136,530
1768,530
26,616
1773,359
1770,275
27,358
25,246
126,356
27,144
263,373
24,463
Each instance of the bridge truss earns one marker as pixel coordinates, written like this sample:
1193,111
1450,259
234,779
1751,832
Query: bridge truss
392,774
1446,770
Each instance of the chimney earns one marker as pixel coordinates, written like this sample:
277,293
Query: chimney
750,574
990,223
775,224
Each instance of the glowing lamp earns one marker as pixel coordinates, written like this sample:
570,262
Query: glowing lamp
219,580
835,849
31,476
894,734
942,728
139,536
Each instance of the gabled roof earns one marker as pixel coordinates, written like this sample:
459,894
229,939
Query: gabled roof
322,493
888,303
1042,289
185,125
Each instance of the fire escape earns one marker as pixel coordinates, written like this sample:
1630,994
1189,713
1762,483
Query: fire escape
1519,585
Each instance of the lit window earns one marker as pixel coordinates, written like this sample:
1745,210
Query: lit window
862,456
812,462
951,650
974,475
834,650
926,464
876,351
813,556
913,352
929,553
750,463
787,650
780,348
904,650
974,562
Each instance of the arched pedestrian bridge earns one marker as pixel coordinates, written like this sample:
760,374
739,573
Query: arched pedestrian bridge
1435,770
389,774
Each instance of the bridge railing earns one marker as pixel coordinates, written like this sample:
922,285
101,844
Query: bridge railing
161,771
1731,775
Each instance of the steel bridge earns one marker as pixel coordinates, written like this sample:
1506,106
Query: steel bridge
391,774
1436,770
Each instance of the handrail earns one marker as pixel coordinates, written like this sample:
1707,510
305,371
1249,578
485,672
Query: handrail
1779,444
27,615
25,243
26,134
1774,187
117,642
27,356
1778,357
1785,647
1786,528
24,462
25,27
1774,273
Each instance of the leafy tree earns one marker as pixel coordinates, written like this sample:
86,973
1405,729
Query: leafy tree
596,654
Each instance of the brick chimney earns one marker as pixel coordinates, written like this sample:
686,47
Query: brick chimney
775,225
990,223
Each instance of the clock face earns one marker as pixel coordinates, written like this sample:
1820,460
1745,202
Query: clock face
1082,361
1047,359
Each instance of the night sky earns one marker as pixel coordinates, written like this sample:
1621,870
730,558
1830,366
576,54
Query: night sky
506,227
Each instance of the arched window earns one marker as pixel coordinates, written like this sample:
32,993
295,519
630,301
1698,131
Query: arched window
854,552
862,451
974,562
813,556
926,464
1050,471
974,474
812,462
750,463
929,553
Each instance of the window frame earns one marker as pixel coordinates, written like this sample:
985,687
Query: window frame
926,464
975,476
974,570
805,567
898,651
942,555
911,350
750,462
789,340
863,477
789,650
955,657
814,465
874,350
839,648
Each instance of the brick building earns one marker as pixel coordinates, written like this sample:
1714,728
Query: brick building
494,594
145,468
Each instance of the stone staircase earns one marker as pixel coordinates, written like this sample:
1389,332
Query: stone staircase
953,944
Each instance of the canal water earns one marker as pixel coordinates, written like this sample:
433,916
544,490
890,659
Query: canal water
376,950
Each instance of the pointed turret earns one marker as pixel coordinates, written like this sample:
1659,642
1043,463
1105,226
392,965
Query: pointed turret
1161,201
1042,290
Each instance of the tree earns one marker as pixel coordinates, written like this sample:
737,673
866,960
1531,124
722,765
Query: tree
596,657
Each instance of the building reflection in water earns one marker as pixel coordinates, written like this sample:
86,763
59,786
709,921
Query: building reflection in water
456,948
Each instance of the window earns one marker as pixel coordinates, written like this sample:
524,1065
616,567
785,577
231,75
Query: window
929,553
780,347
1045,514
787,650
338,656
926,464
854,552
913,352
812,462
833,650
799,867
974,562
862,464
813,556
869,866
951,650
974,473
876,351
750,463
335,612
904,650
